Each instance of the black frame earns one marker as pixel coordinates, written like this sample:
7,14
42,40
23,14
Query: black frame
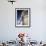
29,17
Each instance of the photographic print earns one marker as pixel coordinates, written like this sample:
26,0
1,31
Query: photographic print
22,17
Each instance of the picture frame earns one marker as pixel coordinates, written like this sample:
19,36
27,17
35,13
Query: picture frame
22,17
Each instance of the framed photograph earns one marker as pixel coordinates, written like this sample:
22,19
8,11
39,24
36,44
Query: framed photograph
22,17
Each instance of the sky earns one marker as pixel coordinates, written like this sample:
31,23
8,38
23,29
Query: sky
18,14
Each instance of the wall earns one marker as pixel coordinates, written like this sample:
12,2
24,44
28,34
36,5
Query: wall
8,31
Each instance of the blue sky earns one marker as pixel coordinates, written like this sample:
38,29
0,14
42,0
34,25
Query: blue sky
19,14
